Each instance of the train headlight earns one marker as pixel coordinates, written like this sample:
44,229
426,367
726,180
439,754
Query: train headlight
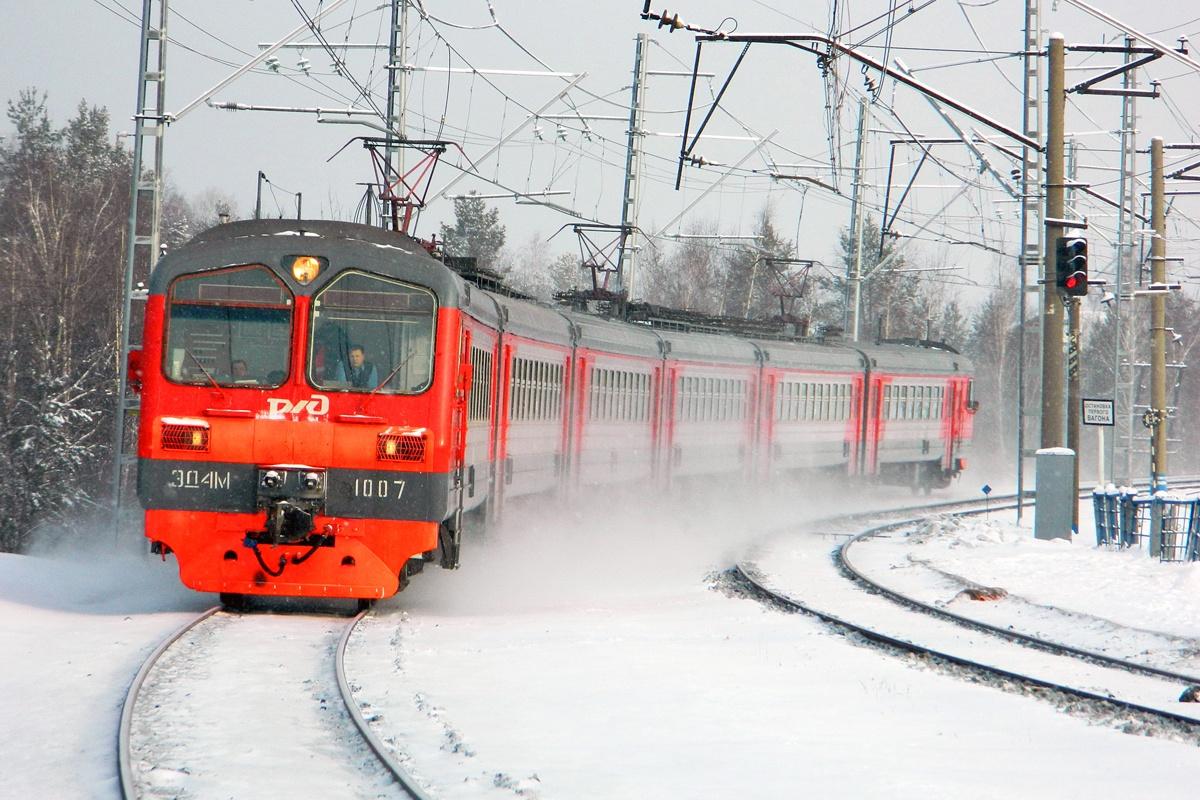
311,481
271,479
181,435
305,269
408,446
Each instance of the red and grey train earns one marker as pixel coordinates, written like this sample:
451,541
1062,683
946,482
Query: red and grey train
322,402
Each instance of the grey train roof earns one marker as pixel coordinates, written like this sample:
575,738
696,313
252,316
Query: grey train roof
809,355
400,256
598,333
902,358
382,252
533,321
707,347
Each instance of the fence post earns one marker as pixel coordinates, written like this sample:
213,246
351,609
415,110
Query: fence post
1157,504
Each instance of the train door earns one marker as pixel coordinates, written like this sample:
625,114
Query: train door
949,425
855,425
481,415
874,427
670,392
656,422
580,386
960,404
566,462
503,401
767,406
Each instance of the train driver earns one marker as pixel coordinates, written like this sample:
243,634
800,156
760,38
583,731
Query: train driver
361,373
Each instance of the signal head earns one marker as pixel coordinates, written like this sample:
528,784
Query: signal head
1071,266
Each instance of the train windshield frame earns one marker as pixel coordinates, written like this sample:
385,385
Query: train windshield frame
230,327
372,334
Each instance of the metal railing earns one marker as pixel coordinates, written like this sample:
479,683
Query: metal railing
1165,526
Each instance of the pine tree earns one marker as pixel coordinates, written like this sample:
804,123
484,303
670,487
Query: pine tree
752,278
476,232
888,297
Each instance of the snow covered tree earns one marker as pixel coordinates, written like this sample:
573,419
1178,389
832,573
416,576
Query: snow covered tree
689,277
64,198
476,232
538,274
751,278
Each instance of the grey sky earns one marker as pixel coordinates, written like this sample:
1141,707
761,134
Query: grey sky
88,49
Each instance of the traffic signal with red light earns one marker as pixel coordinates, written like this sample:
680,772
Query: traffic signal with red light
1071,266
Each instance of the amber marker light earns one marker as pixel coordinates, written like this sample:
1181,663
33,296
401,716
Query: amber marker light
305,269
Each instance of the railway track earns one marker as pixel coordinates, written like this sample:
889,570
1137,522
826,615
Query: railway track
848,598
158,757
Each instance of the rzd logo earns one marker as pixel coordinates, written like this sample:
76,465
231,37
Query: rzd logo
315,406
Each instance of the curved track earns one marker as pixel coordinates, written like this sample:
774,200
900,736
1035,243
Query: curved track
380,750
129,776
1116,692
124,752
842,558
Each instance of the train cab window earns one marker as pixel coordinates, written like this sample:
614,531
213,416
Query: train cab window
230,327
372,334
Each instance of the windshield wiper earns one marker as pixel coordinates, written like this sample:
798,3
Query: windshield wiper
392,374
203,369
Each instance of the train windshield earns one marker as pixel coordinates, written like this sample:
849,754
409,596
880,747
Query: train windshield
372,334
231,328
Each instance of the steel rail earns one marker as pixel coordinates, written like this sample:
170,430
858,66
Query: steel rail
406,781
756,580
124,757
842,559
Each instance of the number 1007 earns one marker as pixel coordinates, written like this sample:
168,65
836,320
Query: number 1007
381,488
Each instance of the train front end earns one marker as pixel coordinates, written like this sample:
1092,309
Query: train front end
299,427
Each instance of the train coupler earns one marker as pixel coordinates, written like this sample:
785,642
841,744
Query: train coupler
254,538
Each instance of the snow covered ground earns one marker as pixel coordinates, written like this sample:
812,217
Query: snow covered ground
586,654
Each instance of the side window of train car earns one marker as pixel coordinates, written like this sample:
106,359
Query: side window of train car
536,392
516,389
372,334
479,409
231,327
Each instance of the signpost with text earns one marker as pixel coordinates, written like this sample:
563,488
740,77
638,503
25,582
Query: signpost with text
1102,414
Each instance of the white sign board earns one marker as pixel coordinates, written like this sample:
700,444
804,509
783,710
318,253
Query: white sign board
1098,412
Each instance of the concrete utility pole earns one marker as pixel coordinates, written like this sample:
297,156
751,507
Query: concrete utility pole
1120,468
1032,230
854,267
627,257
1158,320
1052,306
1074,307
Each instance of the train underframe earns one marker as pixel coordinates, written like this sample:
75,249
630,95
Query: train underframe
920,476
227,553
